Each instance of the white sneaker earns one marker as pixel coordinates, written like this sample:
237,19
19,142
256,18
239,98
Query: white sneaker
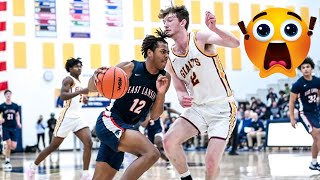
7,166
31,171
86,177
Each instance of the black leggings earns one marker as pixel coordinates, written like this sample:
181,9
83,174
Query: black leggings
38,137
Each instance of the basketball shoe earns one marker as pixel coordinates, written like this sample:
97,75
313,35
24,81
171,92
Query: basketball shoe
31,171
314,166
7,166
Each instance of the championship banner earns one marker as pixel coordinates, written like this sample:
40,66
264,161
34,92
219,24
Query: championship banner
80,19
45,18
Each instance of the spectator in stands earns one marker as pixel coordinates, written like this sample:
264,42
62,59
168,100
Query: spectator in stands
254,106
263,115
281,98
51,125
252,100
271,95
260,103
287,89
257,131
41,128
243,126
274,111
240,113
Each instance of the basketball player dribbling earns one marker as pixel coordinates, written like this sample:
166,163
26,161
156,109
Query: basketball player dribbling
148,85
306,90
70,119
202,87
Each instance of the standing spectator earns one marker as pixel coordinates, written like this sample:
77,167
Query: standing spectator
51,124
287,89
271,95
257,132
234,140
40,127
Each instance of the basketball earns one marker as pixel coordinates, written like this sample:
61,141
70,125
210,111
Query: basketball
113,84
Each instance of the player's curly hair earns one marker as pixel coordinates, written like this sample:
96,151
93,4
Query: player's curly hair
151,42
72,62
308,60
180,11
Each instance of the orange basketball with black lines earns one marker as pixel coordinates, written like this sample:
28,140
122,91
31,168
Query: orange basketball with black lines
113,84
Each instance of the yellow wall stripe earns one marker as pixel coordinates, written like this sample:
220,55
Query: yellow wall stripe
291,8
218,11
138,33
236,54
138,10
269,6
19,29
195,11
20,55
222,56
95,52
68,52
48,55
255,9
154,10
178,2
137,53
114,54
234,13
304,13
236,59
18,8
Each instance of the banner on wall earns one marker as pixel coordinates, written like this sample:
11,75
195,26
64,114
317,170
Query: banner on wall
45,18
80,19
114,21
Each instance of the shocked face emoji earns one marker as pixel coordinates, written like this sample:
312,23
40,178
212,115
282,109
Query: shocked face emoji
276,41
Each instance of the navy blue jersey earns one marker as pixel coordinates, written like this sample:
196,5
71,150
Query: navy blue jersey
9,114
307,93
154,125
140,96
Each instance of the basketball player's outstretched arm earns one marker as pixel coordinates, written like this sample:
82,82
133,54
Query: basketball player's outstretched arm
216,36
184,98
163,83
293,97
66,86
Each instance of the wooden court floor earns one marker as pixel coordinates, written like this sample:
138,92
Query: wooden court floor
284,164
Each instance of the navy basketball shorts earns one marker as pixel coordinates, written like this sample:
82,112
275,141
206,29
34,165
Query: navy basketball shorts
9,133
109,130
309,120
152,133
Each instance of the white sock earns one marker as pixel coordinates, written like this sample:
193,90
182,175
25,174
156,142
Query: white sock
314,161
7,159
185,174
85,172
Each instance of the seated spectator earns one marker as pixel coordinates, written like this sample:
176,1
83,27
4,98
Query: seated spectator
281,98
260,104
271,96
257,131
274,111
243,126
